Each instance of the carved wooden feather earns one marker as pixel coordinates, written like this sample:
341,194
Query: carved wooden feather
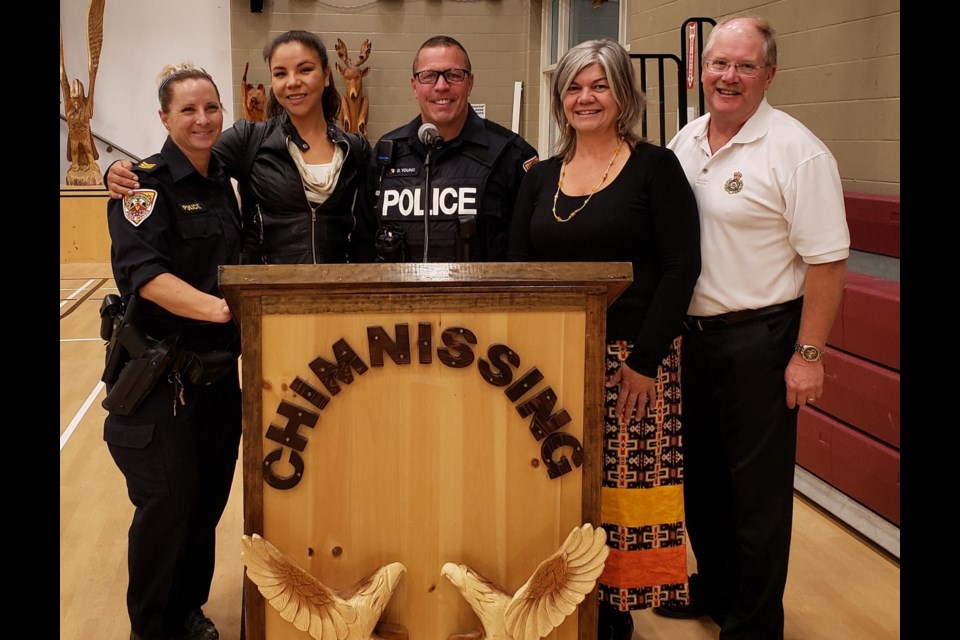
559,584
94,44
312,606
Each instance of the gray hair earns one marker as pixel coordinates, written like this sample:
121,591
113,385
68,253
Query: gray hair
763,28
615,61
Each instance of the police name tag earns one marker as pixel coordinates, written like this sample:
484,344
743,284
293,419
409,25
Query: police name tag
398,172
192,207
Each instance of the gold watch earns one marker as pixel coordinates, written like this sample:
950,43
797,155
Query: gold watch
808,352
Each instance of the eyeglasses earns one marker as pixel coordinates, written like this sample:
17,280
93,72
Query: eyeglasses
452,76
745,69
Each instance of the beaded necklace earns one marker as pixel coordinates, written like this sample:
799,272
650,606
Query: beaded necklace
563,169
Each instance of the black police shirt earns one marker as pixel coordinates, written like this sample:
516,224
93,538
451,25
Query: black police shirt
177,222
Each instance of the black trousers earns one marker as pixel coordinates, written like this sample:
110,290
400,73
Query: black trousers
739,442
178,469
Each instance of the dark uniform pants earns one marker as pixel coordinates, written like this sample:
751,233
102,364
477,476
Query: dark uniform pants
739,442
178,469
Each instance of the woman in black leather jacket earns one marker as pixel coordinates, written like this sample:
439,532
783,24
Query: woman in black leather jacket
302,180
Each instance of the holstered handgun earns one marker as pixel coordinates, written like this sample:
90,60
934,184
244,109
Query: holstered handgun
124,339
110,310
140,374
134,364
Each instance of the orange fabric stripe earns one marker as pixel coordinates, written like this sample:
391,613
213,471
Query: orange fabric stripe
650,567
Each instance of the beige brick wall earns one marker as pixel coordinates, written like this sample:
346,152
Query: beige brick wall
839,67
839,73
498,34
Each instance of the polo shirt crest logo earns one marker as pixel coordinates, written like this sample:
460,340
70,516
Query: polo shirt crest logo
735,184
138,205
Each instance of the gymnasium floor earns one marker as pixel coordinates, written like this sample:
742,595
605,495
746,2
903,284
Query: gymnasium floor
839,586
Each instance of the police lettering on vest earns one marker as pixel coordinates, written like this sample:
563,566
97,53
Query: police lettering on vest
453,198
444,201
474,180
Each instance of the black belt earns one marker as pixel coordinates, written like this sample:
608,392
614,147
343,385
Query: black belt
705,323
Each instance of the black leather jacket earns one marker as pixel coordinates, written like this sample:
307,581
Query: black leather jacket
279,224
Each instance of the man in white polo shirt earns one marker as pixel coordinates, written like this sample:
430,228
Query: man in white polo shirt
774,244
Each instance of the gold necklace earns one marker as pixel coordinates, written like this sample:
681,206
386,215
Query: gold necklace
563,169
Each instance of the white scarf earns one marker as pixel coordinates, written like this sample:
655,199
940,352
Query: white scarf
317,191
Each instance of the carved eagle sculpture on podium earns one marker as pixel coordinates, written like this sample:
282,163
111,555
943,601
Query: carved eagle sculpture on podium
310,605
552,593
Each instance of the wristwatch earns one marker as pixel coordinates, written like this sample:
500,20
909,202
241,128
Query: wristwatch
808,352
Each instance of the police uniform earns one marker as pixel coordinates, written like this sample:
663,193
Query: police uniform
178,449
474,182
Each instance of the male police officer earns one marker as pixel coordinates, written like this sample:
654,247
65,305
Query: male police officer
475,166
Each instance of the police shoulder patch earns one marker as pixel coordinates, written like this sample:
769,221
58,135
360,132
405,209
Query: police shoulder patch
529,163
138,205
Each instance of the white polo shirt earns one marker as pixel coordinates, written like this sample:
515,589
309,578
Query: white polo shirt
770,203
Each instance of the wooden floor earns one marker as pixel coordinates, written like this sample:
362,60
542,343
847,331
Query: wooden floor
839,586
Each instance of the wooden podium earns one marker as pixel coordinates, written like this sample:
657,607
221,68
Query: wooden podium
421,413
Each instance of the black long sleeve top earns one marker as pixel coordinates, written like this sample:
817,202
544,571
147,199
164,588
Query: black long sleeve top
646,216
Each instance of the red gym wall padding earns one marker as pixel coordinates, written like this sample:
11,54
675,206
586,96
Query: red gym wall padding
860,466
874,223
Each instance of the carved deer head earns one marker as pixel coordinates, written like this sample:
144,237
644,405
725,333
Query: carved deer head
353,111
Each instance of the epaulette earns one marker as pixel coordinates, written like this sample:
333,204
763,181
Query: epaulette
498,129
149,165
524,148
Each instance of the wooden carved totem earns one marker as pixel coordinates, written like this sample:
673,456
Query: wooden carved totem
254,99
354,105
78,105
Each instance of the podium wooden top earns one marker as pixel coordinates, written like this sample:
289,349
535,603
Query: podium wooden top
615,277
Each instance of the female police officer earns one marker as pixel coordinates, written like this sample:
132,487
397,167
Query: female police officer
176,440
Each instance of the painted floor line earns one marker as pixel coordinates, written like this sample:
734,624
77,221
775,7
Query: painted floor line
82,412
74,294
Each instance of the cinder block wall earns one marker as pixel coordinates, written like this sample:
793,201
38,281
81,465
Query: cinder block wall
839,68
839,73
502,37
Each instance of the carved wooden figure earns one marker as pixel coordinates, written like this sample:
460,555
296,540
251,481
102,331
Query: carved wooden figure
254,99
78,105
354,105
552,593
350,614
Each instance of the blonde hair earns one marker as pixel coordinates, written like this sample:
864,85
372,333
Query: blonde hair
173,73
